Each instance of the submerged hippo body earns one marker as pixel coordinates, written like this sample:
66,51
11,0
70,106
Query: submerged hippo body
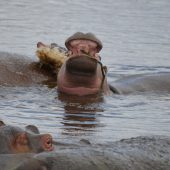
155,82
80,75
15,140
19,70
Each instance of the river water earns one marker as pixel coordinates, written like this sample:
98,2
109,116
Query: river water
136,39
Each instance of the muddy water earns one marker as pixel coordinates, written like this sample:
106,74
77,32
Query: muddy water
136,39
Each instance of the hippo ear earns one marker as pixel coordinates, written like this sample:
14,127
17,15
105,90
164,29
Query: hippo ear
32,129
2,123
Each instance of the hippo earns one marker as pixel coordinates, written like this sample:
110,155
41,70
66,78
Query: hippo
143,153
81,71
14,140
151,82
23,150
19,70
77,70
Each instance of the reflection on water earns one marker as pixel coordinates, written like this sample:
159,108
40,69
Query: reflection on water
96,118
80,112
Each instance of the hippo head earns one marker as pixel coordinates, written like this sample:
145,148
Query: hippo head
82,75
16,140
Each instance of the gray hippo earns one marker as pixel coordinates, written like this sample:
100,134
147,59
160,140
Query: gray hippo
83,73
19,70
24,150
76,70
155,82
15,140
140,153
17,144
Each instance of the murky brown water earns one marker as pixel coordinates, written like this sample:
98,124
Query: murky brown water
136,38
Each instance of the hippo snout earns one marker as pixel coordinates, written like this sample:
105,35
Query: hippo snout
81,65
47,142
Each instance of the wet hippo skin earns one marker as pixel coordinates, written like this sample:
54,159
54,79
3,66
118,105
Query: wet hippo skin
82,75
140,153
143,153
153,82
15,140
19,70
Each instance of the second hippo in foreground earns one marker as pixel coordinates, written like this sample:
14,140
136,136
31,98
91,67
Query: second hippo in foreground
15,140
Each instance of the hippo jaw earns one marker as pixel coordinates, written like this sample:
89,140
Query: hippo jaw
80,75
81,66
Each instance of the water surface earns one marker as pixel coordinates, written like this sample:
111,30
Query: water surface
136,39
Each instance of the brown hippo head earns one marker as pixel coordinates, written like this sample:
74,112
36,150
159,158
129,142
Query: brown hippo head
16,140
82,73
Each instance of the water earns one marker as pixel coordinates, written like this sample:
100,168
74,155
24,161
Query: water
136,39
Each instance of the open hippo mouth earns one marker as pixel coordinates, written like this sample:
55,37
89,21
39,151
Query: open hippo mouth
81,66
